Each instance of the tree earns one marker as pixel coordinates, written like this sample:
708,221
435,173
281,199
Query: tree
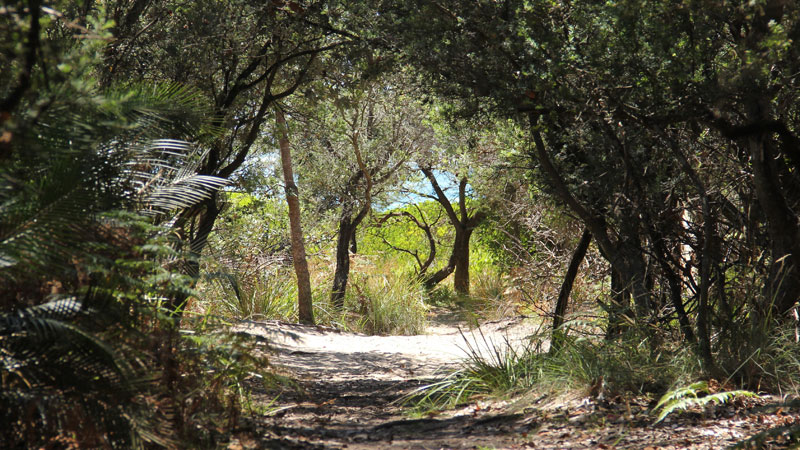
244,56
635,120
423,224
566,288
464,224
468,153
89,174
305,310
360,143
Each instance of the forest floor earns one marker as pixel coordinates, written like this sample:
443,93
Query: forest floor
350,384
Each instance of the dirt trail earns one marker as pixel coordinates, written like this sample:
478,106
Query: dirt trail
352,383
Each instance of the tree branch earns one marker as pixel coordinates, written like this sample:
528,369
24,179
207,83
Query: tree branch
440,196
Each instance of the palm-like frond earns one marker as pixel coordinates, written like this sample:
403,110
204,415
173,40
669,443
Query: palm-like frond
696,395
67,363
165,177
54,366
81,163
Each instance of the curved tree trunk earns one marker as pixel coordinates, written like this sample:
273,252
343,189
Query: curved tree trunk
437,277
422,224
629,278
458,263
566,288
464,226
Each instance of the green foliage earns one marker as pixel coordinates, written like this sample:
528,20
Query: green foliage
384,240
267,294
628,365
626,109
695,395
57,364
491,369
488,289
85,358
387,304
220,368
89,175
401,233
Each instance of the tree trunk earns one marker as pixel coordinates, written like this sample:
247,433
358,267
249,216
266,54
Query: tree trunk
304,306
347,231
342,271
440,275
782,286
461,254
464,226
703,307
197,242
566,288
620,300
625,255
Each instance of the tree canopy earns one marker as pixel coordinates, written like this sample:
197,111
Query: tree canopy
658,139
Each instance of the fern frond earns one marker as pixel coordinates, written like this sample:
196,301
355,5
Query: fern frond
696,395
675,394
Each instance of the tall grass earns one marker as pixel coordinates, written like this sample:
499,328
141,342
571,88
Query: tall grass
387,304
379,299
766,357
268,294
582,366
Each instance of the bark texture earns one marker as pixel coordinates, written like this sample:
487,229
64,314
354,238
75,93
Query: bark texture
304,306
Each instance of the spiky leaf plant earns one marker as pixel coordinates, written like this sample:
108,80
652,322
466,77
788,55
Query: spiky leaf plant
87,176
60,374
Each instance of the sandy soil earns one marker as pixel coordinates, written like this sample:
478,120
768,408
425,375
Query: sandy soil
351,386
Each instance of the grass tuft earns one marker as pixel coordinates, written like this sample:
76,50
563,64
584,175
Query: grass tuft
263,295
387,305
582,365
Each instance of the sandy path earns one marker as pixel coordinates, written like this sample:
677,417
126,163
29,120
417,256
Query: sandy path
353,382
341,355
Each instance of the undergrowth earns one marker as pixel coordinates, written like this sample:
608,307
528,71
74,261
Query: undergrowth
212,379
379,300
695,395
630,365
386,305
582,365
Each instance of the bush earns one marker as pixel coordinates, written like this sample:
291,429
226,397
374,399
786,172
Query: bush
267,294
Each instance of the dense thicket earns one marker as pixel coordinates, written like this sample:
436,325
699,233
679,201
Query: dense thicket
667,129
